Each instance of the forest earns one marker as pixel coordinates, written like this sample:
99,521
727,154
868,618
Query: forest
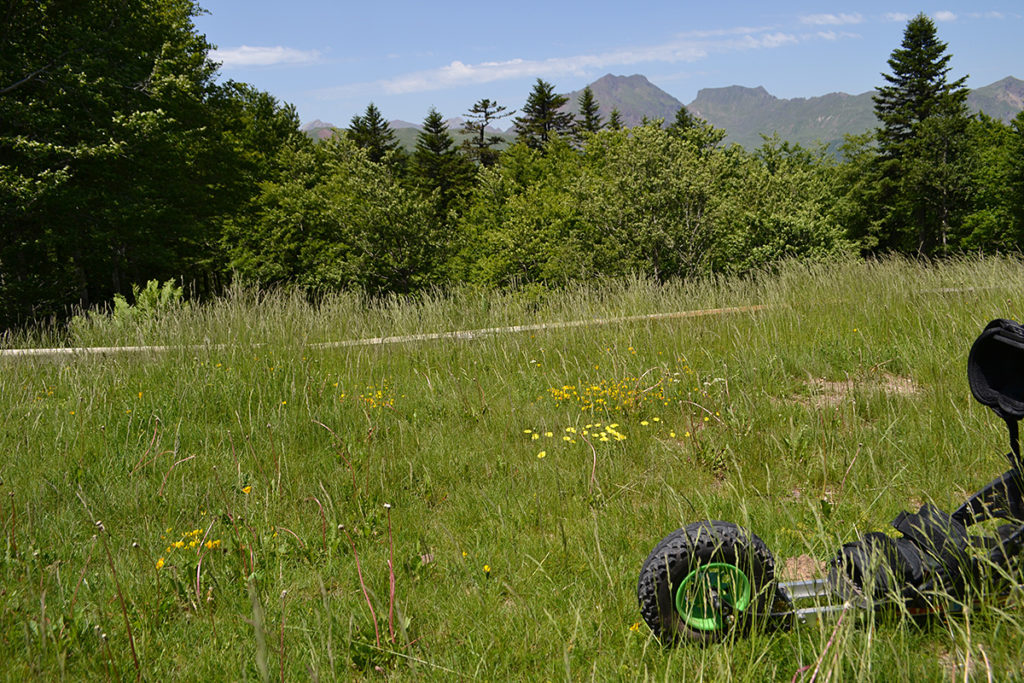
124,159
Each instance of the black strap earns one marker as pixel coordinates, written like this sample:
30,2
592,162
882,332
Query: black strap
1014,455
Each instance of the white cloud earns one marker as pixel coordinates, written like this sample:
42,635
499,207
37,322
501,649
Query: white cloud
719,32
986,15
832,19
263,56
945,15
690,47
897,16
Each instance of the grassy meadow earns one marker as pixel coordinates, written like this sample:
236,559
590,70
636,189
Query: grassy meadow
250,505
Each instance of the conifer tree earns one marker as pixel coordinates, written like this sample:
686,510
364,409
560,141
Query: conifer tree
371,132
437,166
479,145
923,144
683,122
699,132
615,120
917,87
541,119
589,120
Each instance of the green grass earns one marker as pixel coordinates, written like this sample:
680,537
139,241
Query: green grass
850,386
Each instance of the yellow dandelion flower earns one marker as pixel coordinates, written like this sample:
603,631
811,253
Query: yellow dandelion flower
687,434
542,454
464,553
246,490
635,627
527,431
549,434
487,569
534,437
160,563
566,438
644,423
655,419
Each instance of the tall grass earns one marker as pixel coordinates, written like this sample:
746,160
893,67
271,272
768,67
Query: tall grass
513,540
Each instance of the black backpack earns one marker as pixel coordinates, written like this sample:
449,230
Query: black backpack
995,370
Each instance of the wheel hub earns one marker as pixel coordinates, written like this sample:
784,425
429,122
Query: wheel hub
708,596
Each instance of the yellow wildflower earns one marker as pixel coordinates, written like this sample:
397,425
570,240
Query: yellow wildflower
160,563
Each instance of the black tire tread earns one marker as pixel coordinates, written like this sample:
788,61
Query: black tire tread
685,549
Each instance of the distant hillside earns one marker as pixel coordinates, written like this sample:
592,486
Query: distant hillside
318,130
634,96
1002,100
744,113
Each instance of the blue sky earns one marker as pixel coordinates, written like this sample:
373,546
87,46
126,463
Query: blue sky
330,59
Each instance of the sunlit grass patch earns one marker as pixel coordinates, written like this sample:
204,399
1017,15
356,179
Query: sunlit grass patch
520,505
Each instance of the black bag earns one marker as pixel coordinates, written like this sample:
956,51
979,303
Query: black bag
995,371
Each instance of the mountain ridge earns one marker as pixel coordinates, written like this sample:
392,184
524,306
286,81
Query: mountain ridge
748,113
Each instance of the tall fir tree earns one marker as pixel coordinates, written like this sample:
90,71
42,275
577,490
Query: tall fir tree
589,119
696,130
371,132
480,143
923,145
683,122
615,120
437,166
917,87
541,119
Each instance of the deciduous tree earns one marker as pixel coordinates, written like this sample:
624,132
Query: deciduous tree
120,155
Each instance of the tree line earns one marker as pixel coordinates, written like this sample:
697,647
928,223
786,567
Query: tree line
122,159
